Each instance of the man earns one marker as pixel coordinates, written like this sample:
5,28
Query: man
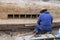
44,22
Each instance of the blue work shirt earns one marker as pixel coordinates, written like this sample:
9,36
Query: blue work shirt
45,21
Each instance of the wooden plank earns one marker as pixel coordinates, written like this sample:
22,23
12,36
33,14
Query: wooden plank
57,38
45,36
24,21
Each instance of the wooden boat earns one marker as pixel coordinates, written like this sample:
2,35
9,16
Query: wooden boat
25,14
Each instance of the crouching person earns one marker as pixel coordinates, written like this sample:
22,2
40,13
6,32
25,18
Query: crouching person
44,22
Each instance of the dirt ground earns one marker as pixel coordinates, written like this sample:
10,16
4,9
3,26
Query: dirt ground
18,35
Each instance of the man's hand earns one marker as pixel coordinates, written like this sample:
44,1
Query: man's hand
38,23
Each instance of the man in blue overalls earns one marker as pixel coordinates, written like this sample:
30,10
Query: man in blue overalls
44,22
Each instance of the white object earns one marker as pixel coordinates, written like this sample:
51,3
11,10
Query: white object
58,34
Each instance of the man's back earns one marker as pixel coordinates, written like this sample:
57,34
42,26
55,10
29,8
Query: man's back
45,20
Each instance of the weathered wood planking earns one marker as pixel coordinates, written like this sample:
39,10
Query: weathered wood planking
44,37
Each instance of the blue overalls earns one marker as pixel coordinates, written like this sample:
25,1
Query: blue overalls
44,22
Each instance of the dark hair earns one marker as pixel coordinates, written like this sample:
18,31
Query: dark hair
43,10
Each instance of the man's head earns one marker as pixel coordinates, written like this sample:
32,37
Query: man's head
43,10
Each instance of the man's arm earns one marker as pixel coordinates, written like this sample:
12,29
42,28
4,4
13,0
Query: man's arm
39,20
51,19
